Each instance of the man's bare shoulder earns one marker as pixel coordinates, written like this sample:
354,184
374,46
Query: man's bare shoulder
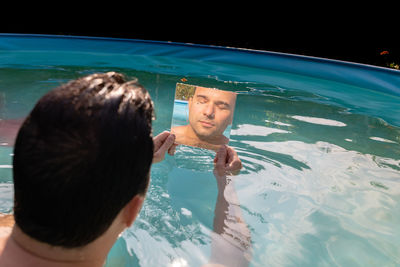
6,220
6,226
180,134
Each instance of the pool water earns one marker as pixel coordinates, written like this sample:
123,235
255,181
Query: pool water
320,184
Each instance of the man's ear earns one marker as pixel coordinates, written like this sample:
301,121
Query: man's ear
132,209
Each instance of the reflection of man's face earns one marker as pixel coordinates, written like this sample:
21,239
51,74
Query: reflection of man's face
211,111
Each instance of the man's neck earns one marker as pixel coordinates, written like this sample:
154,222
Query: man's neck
215,140
20,250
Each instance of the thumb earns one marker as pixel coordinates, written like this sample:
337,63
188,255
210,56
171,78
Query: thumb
220,158
160,139
169,141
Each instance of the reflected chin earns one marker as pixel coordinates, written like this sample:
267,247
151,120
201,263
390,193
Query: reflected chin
204,133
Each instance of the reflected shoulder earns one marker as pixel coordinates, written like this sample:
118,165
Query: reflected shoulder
178,129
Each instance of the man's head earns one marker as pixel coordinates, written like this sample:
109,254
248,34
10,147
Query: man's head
81,155
210,112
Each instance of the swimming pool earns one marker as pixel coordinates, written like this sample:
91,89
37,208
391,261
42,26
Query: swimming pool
319,141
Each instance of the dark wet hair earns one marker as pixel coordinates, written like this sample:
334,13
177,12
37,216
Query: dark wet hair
82,154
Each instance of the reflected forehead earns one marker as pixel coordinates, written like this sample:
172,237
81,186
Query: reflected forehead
216,94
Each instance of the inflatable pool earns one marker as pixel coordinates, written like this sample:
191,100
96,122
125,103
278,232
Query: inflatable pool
319,141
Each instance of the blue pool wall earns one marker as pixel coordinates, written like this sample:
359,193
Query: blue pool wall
347,81
366,76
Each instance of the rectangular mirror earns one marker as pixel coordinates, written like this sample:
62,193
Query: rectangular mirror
202,117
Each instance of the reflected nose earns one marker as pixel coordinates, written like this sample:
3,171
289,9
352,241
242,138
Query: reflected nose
209,110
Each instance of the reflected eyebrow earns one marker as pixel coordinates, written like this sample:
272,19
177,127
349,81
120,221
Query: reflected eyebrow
218,102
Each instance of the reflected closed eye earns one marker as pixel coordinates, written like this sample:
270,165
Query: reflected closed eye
201,99
223,106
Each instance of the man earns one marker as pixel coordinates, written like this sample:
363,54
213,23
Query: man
81,170
210,113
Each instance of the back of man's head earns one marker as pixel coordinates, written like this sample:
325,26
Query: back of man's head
81,155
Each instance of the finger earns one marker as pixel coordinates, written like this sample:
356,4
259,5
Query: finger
232,155
234,166
234,163
220,161
169,141
160,139
172,149
221,157
216,156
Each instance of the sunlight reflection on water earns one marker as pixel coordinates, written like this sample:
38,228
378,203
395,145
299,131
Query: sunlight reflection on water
320,183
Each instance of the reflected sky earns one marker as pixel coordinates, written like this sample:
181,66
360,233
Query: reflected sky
320,121
344,204
344,199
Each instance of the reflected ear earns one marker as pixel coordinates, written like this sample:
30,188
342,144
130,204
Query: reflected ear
132,209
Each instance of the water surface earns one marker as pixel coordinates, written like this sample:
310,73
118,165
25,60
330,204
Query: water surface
320,184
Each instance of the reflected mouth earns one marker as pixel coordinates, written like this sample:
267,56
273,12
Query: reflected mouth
206,124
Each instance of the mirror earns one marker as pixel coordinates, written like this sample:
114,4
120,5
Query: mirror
202,117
